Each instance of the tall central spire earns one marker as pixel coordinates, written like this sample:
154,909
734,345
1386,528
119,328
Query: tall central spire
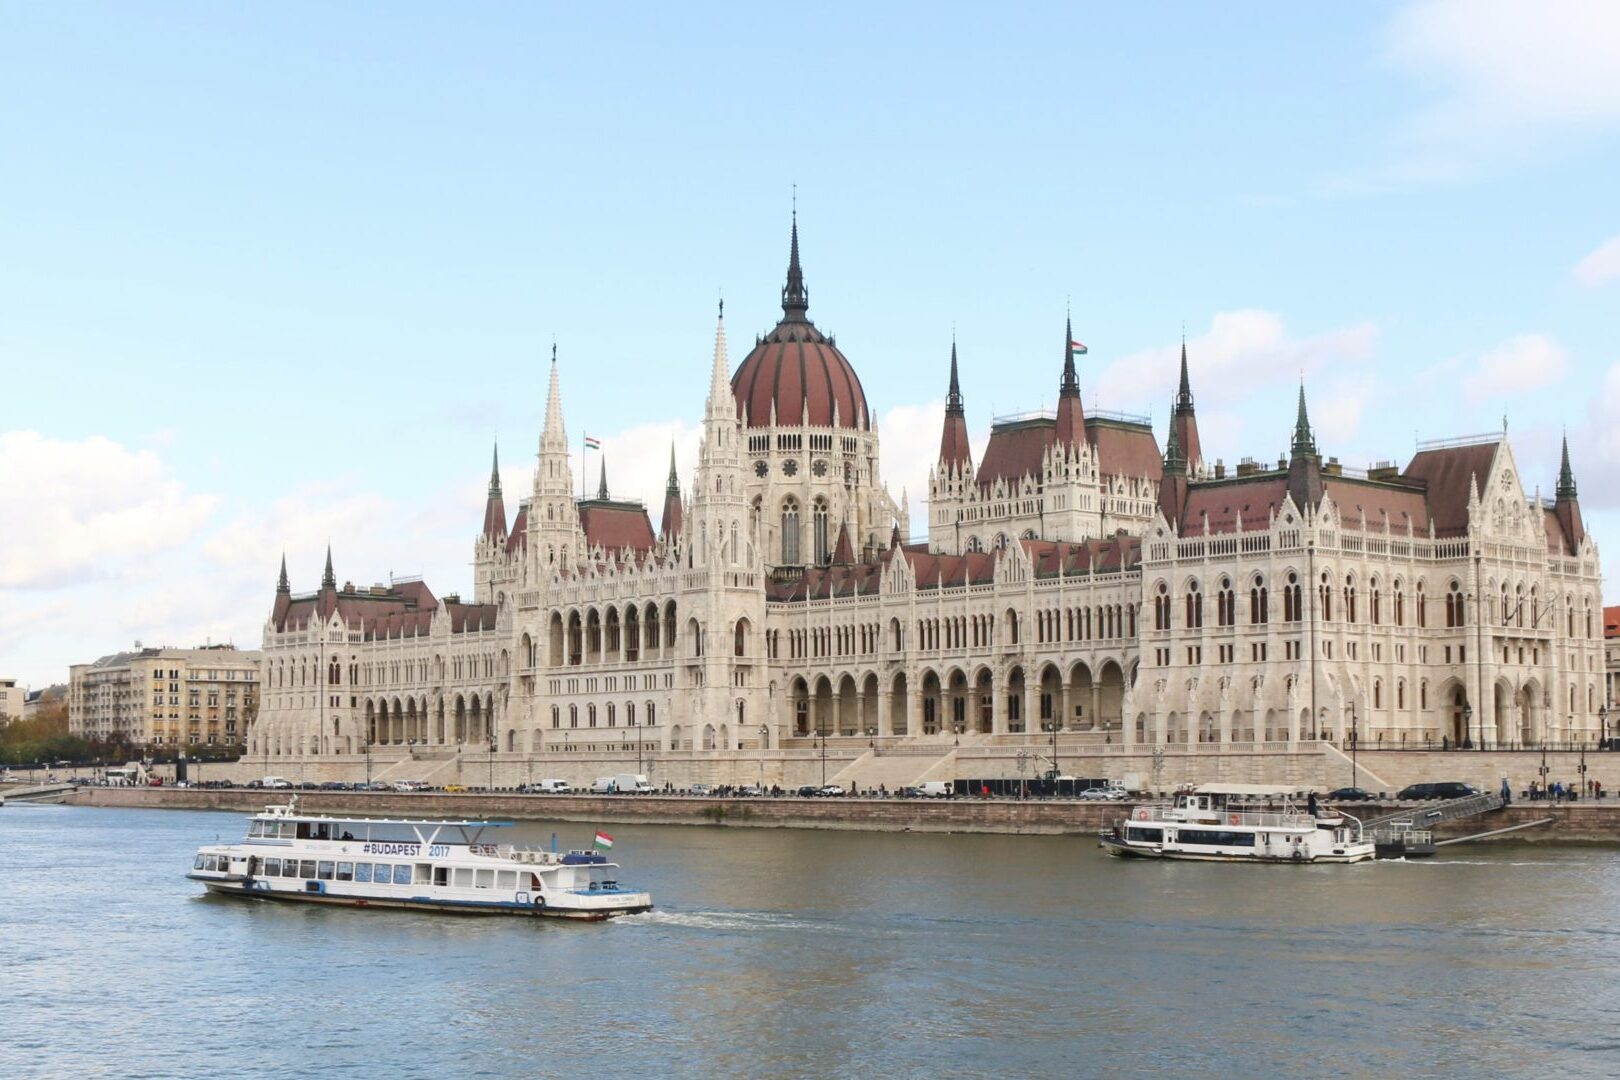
495,473
795,297
328,578
1184,399
1566,475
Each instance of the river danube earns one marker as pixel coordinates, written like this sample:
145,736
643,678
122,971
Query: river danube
799,953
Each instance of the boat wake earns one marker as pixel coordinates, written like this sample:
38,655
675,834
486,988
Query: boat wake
728,921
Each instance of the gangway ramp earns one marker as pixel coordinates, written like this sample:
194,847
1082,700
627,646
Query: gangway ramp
1410,832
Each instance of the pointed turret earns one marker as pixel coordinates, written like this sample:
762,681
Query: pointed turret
1304,441
843,550
1071,418
328,578
1567,505
495,505
1304,465
601,486
1173,477
554,434
955,456
1184,421
722,402
669,525
278,613
282,584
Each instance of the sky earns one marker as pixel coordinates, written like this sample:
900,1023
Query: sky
273,277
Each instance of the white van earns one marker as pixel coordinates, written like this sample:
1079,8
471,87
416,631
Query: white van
936,789
603,785
631,784
550,787
275,782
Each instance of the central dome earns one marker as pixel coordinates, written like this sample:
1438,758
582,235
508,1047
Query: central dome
797,370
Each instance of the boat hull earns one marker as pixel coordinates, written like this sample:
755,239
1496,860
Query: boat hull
1127,850
245,891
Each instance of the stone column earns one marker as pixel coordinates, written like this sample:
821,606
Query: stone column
1096,705
883,719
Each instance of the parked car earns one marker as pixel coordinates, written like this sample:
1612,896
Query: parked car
1349,794
334,785
752,791
911,791
455,789
936,789
700,789
808,791
831,791
1107,794
1446,789
546,787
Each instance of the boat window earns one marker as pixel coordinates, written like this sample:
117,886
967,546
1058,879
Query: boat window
384,874
1216,837
303,830
325,870
198,865
345,871
424,873
1137,832
306,868
486,879
464,877
441,875
255,828
507,880
289,868
272,868
362,871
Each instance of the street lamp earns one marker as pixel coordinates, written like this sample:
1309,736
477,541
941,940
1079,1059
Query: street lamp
491,762
1353,742
822,735
1158,768
368,761
1052,726
764,734
1603,723
1023,763
1468,717
958,727
1543,769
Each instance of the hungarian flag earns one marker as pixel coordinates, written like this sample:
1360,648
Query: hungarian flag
603,840
1076,348
593,443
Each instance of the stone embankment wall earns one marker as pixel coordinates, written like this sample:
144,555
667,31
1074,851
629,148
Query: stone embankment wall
1595,822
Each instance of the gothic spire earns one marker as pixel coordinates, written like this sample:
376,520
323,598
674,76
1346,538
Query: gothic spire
553,435
282,584
673,485
328,578
495,506
601,487
495,472
953,399
1070,387
1184,399
1304,444
795,297
1566,476
722,402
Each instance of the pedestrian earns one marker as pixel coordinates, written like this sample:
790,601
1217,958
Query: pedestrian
1507,792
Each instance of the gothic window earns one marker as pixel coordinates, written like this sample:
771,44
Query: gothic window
590,715
761,468
1225,604
819,467
823,551
1454,605
1400,693
790,533
1257,601
1378,694
1161,608
1195,606
1325,593
1293,600
1422,606
1373,604
1001,541
790,467
974,544
1349,598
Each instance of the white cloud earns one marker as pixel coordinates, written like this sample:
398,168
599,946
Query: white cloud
1242,351
1600,266
1511,78
94,509
1517,366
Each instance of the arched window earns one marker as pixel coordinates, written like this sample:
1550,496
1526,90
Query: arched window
1257,601
1325,594
1195,606
819,532
1422,606
1161,608
790,532
556,716
612,713
590,715
1454,605
1349,598
1225,604
1293,605
974,544
1400,693
1378,694
1374,604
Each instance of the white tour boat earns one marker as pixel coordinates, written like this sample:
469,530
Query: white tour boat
409,863
1239,823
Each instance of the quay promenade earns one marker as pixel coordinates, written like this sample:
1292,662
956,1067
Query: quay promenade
1581,822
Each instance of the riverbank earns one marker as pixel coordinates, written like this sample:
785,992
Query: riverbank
1571,823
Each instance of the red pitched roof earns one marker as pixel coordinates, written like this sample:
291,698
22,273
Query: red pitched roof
1449,473
1256,498
1611,621
616,526
1362,505
519,536
1060,558
1015,450
1124,449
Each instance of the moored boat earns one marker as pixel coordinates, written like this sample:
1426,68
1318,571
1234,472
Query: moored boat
1239,823
411,863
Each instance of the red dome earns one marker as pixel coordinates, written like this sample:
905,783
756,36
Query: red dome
798,370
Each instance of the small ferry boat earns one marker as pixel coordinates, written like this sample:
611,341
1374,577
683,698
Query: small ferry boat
408,863
1239,823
